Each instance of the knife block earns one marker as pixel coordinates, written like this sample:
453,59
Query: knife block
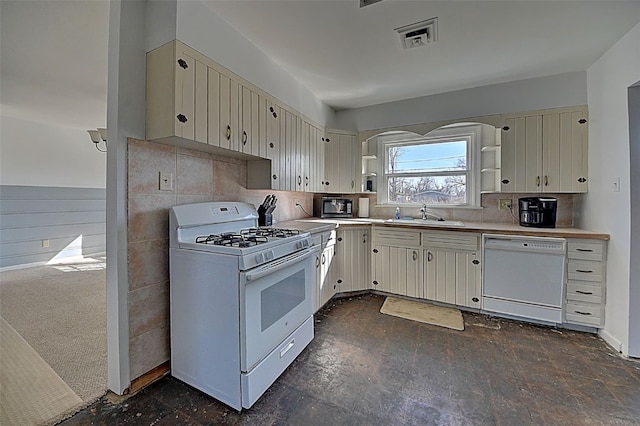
265,219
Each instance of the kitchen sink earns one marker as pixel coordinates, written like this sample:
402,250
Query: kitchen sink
425,222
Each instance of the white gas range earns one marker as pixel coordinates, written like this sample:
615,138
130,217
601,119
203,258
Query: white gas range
240,300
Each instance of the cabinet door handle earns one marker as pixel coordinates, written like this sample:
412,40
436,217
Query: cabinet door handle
324,259
415,255
299,180
546,180
271,145
505,181
375,251
317,261
353,184
244,137
364,238
475,261
582,313
183,64
182,118
306,181
429,256
339,281
582,121
327,183
537,180
506,128
584,250
375,282
339,238
582,180
228,134
584,271
584,292
275,177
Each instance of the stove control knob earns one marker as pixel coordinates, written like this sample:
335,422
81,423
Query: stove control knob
259,258
269,255
303,244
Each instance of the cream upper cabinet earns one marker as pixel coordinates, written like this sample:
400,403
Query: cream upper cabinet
316,159
176,93
229,113
249,121
341,151
545,151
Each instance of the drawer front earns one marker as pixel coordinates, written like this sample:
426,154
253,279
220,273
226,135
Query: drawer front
585,271
453,240
584,292
585,250
584,314
396,237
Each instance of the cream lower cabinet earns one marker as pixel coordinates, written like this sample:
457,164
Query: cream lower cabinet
452,271
324,287
352,259
396,263
586,274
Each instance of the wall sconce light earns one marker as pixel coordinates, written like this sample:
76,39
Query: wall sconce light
97,136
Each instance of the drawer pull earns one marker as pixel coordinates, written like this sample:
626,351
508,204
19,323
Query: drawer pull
584,271
585,250
582,313
287,348
584,292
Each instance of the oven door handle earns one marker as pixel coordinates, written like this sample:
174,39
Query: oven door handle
279,264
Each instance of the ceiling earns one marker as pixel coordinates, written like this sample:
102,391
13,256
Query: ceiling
351,57
54,53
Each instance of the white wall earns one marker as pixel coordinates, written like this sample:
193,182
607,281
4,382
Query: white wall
524,95
608,80
39,154
202,29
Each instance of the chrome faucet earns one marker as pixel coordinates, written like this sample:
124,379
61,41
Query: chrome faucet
426,213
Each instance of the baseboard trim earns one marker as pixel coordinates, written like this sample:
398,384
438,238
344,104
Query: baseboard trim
149,377
612,341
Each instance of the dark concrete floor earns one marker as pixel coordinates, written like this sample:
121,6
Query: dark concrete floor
366,368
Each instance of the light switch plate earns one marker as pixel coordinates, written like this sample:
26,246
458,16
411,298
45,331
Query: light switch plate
166,181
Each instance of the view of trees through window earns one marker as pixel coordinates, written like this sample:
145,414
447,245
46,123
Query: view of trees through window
431,172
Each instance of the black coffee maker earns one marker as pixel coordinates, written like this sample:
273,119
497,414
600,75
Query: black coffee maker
538,212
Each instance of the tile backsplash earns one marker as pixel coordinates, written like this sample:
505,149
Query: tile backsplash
488,213
198,177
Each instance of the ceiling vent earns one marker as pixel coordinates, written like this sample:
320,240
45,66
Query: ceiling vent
418,34
364,3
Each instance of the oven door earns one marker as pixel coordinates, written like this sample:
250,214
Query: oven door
277,299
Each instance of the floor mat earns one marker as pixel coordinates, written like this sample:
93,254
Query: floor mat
31,393
423,312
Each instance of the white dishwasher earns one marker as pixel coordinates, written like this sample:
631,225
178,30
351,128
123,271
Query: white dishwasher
524,277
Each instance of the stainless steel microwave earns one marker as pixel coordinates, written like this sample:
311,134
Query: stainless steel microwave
332,207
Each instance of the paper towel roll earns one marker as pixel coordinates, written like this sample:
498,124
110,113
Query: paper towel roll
363,207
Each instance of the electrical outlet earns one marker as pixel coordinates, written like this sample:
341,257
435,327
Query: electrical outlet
504,203
166,181
45,243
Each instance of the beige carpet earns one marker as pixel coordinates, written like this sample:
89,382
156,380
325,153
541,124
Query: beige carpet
423,312
31,393
60,311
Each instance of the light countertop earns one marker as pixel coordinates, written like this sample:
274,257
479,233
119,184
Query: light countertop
315,225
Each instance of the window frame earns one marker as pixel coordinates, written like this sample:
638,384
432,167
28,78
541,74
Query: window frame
456,132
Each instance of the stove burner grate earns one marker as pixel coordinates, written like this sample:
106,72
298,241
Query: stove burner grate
270,232
232,240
